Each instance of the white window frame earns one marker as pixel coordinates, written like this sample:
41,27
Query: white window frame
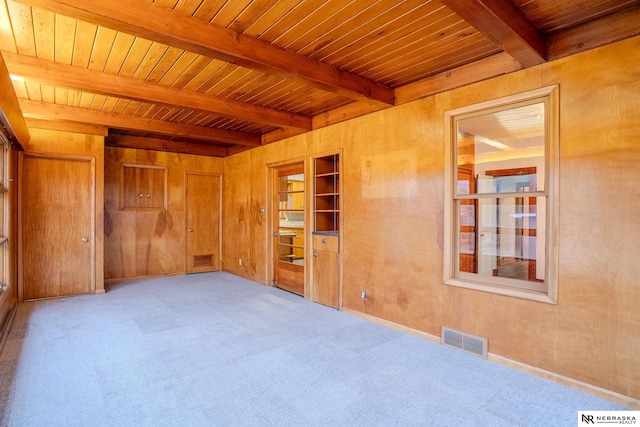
503,286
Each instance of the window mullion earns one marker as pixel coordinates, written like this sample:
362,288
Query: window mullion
500,195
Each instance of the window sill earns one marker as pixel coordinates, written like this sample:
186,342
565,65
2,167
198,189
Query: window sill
502,290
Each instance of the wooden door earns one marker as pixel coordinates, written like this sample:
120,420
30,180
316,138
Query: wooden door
520,263
56,205
203,222
289,244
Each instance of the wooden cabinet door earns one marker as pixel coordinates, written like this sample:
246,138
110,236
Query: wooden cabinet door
325,278
56,206
326,273
143,187
203,223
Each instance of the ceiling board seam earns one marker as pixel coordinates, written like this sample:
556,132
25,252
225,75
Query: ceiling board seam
444,49
388,25
127,56
6,17
274,23
379,17
318,24
400,40
173,66
307,17
483,52
354,18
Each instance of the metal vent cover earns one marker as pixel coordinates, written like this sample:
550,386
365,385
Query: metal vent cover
467,343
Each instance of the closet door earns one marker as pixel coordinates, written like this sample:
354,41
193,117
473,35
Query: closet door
203,222
56,238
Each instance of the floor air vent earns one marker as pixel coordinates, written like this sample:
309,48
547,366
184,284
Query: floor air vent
467,343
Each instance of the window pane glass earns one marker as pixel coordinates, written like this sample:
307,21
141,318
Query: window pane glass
291,218
502,237
291,246
502,151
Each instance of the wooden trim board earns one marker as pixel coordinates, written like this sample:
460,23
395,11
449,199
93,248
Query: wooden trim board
593,390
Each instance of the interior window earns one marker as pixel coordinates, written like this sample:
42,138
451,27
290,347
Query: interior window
499,200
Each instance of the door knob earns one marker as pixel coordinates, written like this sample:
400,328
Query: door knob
85,240
275,234
315,254
190,230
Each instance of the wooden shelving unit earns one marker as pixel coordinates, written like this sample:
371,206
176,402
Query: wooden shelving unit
326,195
326,234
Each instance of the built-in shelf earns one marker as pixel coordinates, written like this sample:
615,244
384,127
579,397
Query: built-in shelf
326,194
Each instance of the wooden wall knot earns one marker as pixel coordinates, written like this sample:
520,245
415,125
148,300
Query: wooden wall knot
164,222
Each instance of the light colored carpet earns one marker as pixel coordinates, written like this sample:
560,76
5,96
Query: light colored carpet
217,350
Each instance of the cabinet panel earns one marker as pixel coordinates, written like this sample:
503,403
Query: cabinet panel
323,242
326,266
143,187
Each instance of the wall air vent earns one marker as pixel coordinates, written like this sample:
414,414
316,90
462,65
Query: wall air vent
471,344
202,260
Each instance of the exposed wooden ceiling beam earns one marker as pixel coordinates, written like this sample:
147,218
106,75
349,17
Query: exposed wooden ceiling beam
77,78
157,144
280,134
501,22
64,126
10,115
609,29
174,28
486,68
48,111
492,66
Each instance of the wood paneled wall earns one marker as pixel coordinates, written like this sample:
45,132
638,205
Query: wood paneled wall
393,171
58,142
148,242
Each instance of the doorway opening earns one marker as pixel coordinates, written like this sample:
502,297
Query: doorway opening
289,239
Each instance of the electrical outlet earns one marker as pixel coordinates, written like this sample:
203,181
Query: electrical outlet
364,295
239,261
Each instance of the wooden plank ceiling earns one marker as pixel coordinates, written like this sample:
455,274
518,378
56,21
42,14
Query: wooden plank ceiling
215,77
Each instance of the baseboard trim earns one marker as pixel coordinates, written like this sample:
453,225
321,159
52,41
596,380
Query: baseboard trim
591,389
134,278
393,325
6,327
